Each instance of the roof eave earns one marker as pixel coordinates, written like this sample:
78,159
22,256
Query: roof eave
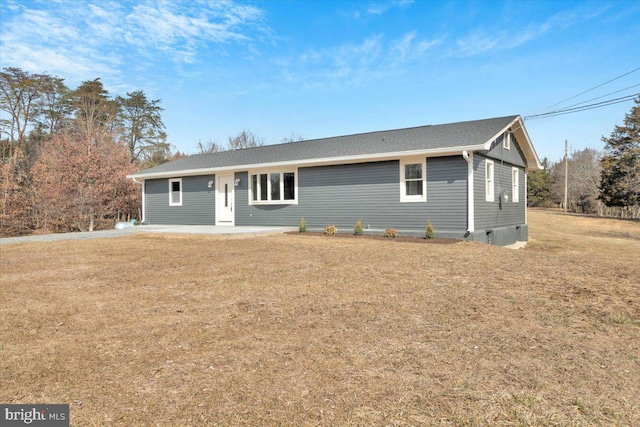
311,162
533,162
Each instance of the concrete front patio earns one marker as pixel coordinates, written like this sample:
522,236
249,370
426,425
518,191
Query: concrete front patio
175,229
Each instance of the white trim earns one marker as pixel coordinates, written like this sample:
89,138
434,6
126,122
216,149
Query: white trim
526,201
490,191
268,172
365,158
404,198
517,127
515,185
470,184
506,141
144,202
171,202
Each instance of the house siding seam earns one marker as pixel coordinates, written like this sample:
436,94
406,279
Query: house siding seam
342,194
198,202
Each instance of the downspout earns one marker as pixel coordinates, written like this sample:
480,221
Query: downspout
468,156
143,199
526,202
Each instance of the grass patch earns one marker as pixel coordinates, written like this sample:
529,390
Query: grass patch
290,330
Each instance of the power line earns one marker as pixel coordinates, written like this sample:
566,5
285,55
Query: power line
598,97
593,88
583,108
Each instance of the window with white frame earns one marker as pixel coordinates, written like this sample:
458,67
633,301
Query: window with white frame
413,180
515,185
506,141
175,192
489,180
273,187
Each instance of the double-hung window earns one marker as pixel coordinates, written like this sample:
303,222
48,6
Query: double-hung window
175,192
489,181
515,185
413,180
273,187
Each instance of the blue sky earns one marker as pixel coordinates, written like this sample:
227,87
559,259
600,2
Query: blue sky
318,69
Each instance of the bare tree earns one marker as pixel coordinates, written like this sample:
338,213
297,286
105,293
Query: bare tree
209,147
292,138
245,139
582,185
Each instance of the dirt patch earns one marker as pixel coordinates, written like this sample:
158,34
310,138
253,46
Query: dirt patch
317,331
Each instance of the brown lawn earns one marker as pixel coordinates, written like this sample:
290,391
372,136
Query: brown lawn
313,330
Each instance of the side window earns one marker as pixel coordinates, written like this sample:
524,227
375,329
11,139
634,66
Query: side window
175,192
489,181
413,180
515,184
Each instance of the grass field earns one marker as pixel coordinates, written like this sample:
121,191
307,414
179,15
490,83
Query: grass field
301,330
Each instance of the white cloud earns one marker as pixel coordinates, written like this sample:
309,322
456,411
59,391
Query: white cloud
511,36
377,7
408,48
78,40
354,64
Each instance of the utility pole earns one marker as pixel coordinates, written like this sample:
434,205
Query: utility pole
566,174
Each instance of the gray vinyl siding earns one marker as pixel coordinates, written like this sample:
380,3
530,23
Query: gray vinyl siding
514,155
198,202
342,194
490,215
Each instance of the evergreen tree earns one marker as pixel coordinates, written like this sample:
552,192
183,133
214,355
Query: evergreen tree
142,126
539,186
620,176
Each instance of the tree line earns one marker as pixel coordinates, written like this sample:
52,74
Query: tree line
65,153
606,183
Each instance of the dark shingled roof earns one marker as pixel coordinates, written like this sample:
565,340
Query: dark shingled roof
430,137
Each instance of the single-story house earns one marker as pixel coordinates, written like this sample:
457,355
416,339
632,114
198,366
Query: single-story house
468,178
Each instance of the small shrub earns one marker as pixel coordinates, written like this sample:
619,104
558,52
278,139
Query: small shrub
330,229
357,230
429,232
303,225
390,232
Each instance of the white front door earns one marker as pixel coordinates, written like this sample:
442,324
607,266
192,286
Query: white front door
224,200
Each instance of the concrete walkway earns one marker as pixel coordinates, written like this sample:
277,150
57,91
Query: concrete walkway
517,245
180,229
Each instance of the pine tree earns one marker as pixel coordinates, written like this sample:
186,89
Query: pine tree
620,177
539,186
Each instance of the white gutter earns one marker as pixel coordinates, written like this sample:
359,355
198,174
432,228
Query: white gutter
143,196
468,156
311,162
526,201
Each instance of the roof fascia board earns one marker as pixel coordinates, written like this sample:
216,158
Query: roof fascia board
487,145
532,151
533,162
313,162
